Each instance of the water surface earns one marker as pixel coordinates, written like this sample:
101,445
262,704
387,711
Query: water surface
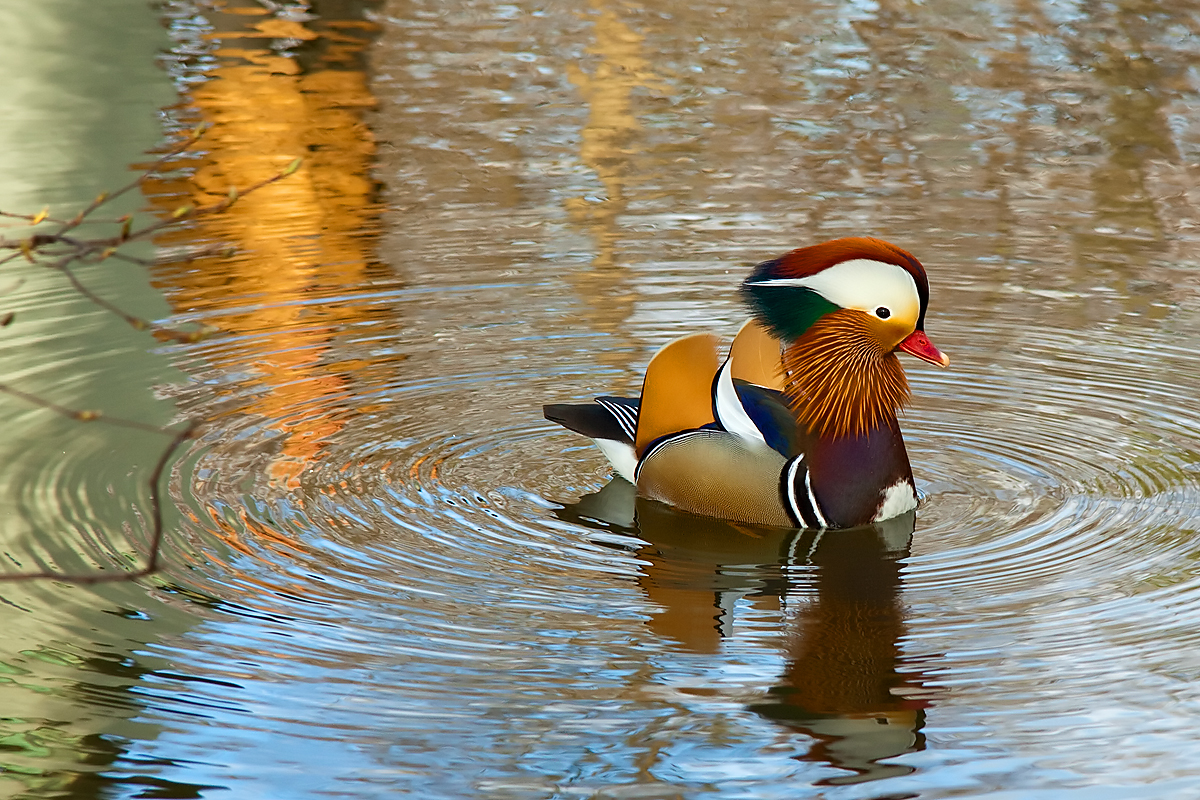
389,575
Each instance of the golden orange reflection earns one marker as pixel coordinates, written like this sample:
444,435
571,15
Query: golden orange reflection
609,146
300,241
608,139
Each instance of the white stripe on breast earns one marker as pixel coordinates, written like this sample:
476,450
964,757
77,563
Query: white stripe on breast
812,498
790,481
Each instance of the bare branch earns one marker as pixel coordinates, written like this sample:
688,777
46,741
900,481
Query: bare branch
154,546
62,250
153,169
63,266
80,415
59,250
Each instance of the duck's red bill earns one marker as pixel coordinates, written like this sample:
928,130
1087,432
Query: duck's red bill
918,344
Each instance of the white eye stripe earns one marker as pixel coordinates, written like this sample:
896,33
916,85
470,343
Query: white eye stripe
862,284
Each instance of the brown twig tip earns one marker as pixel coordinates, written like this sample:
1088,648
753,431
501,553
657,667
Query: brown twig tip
184,337
32,219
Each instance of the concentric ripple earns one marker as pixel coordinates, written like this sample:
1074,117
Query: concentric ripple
388,576
1058,457
406,513
415,513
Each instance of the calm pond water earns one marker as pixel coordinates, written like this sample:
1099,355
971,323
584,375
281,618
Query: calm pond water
389,576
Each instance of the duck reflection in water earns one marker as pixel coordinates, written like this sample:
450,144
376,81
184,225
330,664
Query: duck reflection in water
847,684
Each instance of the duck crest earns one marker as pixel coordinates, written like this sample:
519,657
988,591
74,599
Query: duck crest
806,261
788,294
838,380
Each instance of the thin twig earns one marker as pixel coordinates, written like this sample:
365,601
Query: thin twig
154,546
33,219
63,266
84,415
141,262
156,532
153,169
60,250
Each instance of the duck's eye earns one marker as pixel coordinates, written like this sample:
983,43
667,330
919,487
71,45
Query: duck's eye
883,312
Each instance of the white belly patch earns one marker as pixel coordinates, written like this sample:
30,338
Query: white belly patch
899,498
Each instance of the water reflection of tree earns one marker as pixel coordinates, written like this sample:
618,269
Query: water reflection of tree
847,686
283,85
54,749
1049,135
609,145
1134,89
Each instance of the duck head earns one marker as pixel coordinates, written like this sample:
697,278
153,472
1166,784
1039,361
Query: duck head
842,310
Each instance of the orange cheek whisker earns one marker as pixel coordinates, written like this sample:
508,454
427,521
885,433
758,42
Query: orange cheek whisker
839,379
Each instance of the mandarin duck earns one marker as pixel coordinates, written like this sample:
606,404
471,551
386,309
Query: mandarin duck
796,427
